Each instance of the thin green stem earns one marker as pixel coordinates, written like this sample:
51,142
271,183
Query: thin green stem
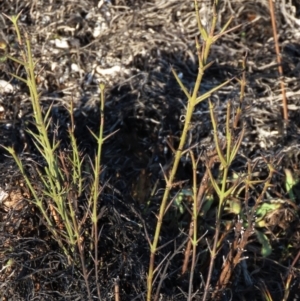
192,102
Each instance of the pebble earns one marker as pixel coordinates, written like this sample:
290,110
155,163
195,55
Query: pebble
5,87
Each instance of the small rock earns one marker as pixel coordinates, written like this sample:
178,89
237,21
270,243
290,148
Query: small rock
5,87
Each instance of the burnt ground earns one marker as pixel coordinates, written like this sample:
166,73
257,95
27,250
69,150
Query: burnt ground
132,46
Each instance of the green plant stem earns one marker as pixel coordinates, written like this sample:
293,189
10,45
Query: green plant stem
203,53
62,176
223,193
95,189
153,247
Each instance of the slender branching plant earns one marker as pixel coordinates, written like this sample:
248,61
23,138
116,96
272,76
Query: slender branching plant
62,176
208,39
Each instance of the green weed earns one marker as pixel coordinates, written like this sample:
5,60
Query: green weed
62,174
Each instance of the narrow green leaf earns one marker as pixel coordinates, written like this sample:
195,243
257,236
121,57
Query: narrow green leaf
46,117
201,29
19,78
289,184
222,33
216,138
213,181
226,25
93,134
181,84
210,92
208,65
237,145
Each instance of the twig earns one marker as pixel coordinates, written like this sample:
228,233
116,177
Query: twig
278,56
117,289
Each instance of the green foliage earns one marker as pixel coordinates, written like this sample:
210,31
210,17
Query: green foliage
62,177
291,182
266,248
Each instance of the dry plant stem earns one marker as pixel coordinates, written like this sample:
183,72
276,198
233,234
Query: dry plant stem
212,258
267,185
117,289
213,158
80,245
264,291
278,56
241,236
164,273
289,278
194,226
234,257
